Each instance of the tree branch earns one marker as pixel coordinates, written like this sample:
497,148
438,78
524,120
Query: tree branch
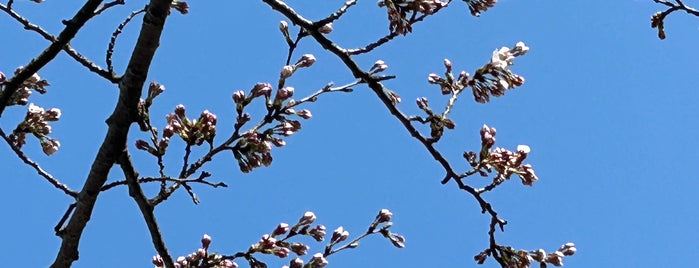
125,113
146,208
55,182
84,61
71,29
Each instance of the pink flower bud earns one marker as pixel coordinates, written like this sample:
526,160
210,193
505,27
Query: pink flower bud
180,110
318,232
305,114
434,78
286,71
447,65
299,248
285,93
284,26
281,252
326,29
238,96
379,66
339,235
281,229
201,252
296,263
308,218
384,216
205,241
422,103
158,261
306,60
141,145
261,89
318,260
180,6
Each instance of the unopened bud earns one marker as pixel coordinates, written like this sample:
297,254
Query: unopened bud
286,71
284,26
306,60
238,96
384,216
180,110
205,241
326,29
447,65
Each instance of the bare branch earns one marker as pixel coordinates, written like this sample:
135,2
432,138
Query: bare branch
90,65
115,34
55,182
337,14
108,5
146,208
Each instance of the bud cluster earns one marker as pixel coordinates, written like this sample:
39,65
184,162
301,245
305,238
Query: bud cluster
504,161
36,121
523,259
478,6
495,77
21,96
199,258
402,13
254,150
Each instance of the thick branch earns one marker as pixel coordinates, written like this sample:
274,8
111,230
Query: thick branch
114,143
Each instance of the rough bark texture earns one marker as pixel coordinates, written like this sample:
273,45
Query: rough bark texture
114,143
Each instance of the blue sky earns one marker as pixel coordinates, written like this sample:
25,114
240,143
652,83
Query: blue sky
607,109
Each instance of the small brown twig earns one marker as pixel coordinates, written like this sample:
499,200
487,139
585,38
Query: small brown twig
90,65
115,34
105,6
43,173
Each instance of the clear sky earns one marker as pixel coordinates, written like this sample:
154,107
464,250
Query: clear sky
608,110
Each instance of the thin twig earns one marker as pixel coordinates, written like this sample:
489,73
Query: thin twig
43,173
115,34
371,46
164,179
108,5
337,14
84,61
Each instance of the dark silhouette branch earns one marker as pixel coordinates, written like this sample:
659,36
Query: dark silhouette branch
146,208
43,173
84,61
115,34
71,29
124,114
108,5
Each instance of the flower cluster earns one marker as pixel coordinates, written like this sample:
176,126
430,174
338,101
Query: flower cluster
36,122
21,96
523,258
495,77
254,150
278,243
192,131
505,162
402,12
199,258
478,6
437,121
